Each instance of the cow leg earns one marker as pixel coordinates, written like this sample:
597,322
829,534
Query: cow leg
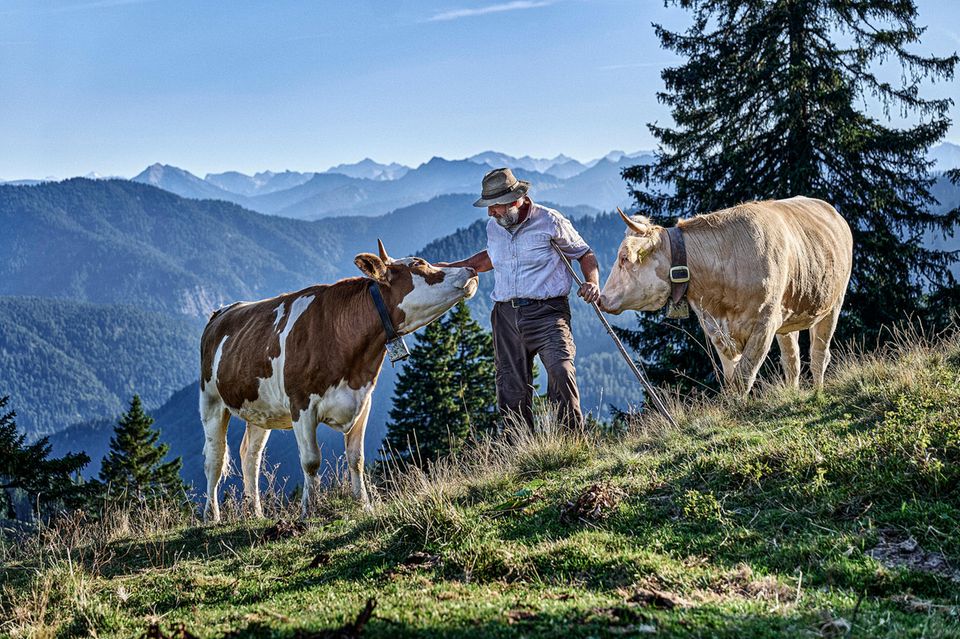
820,335
790,358
717,333
729,366
306,433
755,350
216,417
353,443
251,452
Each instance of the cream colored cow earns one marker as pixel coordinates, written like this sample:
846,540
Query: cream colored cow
757,271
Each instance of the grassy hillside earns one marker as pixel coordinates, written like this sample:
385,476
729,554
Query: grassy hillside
790,514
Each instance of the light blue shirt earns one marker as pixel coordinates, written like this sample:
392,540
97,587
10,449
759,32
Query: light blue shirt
524,262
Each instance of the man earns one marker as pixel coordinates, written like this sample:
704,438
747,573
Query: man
531,315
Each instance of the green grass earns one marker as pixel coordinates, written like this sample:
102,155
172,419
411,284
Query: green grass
752,518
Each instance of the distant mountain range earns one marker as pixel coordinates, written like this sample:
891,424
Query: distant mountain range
946,155
369,189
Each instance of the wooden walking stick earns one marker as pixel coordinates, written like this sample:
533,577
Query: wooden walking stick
648,388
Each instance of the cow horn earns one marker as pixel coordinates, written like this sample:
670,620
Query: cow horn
633,226
383,252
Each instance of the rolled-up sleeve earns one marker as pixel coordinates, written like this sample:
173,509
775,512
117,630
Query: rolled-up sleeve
567,239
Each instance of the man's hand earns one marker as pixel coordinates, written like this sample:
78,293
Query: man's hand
590,292
590,289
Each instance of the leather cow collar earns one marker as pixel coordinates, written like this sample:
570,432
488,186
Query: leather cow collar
679,307
396,348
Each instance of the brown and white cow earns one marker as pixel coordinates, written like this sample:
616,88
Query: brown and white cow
757,270
311,357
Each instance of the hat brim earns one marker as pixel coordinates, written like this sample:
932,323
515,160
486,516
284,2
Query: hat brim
515,194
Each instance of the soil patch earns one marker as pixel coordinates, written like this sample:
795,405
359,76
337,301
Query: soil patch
895,552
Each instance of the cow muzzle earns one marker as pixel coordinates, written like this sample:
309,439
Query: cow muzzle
471,285
608,305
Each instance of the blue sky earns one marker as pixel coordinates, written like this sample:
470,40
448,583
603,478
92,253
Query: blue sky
114,85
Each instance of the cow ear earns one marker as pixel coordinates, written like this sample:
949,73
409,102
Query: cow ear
371,266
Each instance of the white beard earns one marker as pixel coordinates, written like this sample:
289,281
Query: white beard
509,218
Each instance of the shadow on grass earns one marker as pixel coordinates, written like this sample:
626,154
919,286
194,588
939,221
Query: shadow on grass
612,621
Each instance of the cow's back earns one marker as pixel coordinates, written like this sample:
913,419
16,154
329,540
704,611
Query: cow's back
237,348
796,253
818,254
268,361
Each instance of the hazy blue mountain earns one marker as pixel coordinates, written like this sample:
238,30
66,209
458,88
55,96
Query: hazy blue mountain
948,194
946,155
319,184
257,184
495,160
368,188
122,242
352,198
566,170
599,186
370,170
116,241
63,361
376,197
612,156
183,183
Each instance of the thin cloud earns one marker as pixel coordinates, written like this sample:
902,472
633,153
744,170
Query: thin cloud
456,14
102,4
81,6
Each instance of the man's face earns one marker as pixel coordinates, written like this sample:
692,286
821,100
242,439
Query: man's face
506,215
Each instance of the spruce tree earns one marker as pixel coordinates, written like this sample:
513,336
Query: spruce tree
134,469
770,103
446,390
48,484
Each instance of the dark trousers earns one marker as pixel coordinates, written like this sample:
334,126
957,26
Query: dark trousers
519,334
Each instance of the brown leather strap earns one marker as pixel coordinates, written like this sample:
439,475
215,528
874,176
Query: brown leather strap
679,273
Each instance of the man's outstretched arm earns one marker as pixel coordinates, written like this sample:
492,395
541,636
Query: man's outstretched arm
480,262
